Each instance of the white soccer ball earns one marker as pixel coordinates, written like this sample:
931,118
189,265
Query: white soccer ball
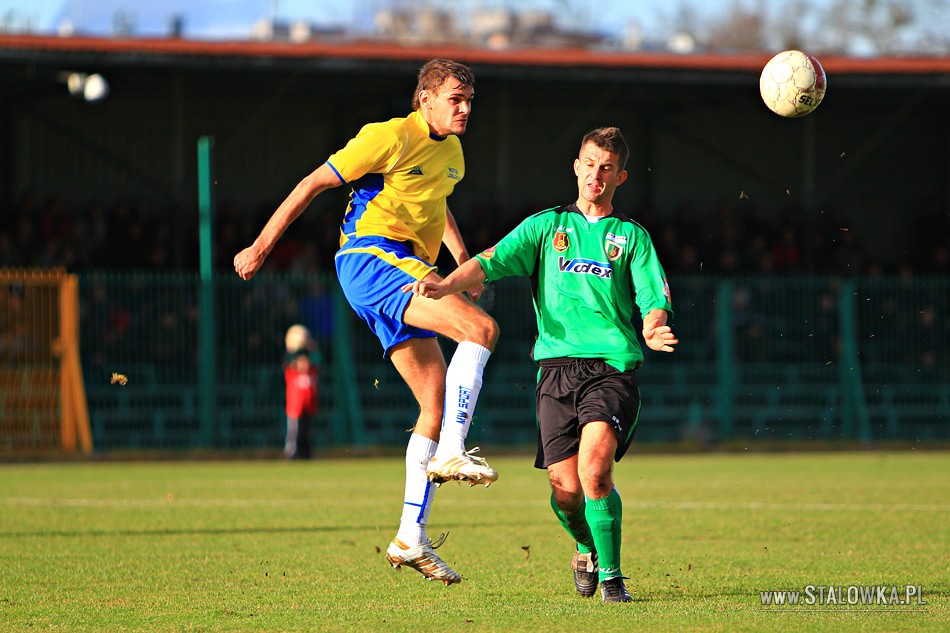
297,338
792,83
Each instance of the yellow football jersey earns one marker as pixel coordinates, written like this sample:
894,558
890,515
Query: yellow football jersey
401,176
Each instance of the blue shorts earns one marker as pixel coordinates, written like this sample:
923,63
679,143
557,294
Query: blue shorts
372,271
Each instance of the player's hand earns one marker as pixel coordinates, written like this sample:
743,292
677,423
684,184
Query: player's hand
660,338
248,262
475,292
427,289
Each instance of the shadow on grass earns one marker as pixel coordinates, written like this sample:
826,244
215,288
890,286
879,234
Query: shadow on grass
181,532
312,529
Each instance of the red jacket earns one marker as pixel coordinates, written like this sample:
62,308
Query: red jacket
301,391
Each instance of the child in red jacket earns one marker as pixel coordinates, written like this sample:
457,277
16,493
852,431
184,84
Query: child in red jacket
301,376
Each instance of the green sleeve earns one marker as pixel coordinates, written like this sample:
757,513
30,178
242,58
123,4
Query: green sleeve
515,255
649,279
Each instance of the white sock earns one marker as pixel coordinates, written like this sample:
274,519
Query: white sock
463,382
419,492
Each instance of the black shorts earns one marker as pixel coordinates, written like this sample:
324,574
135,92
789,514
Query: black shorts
575,391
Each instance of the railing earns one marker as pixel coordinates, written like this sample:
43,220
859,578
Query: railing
760,358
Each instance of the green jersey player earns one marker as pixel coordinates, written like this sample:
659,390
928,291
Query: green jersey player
591,269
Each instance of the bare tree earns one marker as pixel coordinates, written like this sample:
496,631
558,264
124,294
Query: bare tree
788,25
741,29
685,20
886,27
870,27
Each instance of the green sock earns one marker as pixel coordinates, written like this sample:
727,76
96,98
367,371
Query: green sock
576,526
604,516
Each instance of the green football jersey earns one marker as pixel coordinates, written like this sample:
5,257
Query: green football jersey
588,279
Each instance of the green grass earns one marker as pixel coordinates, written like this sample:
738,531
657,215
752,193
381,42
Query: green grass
277,546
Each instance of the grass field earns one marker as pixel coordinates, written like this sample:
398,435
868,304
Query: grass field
277,546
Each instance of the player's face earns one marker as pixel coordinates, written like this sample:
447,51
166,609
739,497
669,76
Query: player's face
447,109
598,174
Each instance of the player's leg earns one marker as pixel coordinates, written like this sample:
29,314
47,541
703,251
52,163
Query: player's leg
372,272
420,363
454,316
422,367
397,316
604,509
567,499
558,443
608,414
568,504
476,333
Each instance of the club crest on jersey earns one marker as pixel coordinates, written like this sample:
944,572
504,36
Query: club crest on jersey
416,171
614,251
561,242
614,246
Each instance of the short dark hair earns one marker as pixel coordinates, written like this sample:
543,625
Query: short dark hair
434,73
609,139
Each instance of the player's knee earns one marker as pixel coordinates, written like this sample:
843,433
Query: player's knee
483,330
598,488
569,503
596,481
494,331
567,495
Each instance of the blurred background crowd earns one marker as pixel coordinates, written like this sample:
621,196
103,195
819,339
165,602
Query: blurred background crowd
737,238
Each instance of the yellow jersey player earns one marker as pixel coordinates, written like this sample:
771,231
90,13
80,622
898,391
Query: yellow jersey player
401,172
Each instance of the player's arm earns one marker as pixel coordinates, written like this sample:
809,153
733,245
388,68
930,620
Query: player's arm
656,333
465,277
515,255
652,295
250,260
452,238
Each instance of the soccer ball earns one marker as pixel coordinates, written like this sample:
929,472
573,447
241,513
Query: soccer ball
297,338
792,84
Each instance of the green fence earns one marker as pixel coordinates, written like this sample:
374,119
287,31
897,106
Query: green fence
760,358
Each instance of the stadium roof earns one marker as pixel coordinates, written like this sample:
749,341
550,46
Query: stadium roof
574,63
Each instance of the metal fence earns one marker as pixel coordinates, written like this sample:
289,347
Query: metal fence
760,358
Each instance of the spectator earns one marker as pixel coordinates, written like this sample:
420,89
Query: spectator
301,377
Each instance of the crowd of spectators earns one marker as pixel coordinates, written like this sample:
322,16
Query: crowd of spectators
733,239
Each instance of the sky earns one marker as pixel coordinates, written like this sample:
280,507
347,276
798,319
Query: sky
232,19
224,18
